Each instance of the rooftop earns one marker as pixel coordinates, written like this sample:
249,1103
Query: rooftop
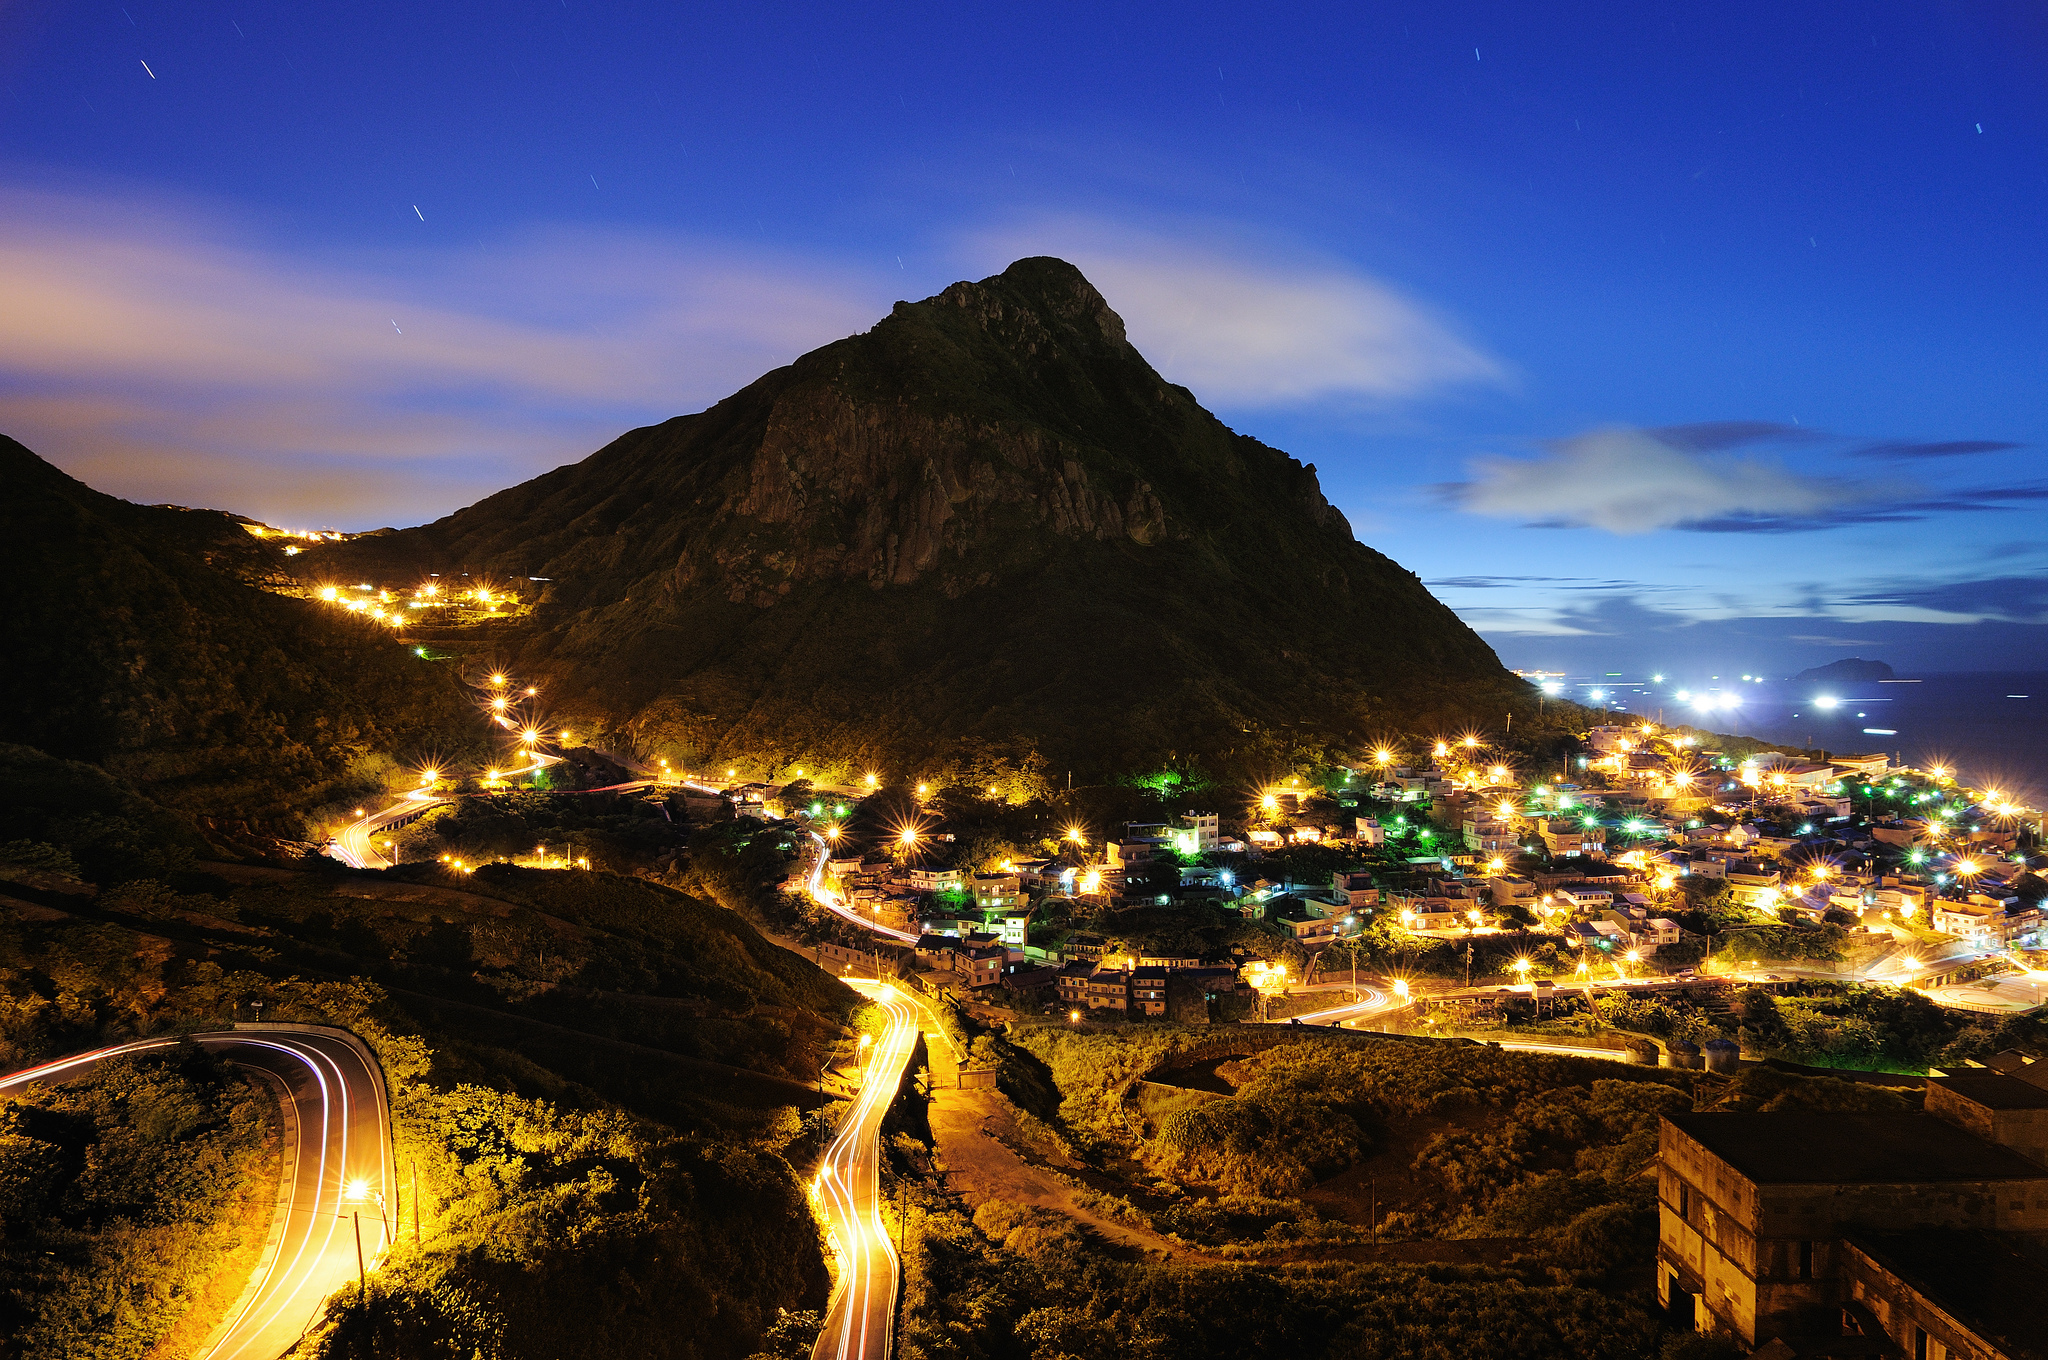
1987,1281
1852,1149
1994,1090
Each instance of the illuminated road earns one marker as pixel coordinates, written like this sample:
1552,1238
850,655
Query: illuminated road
1371,1002
338,1144
1569,1051
832,902
863,1308
356,844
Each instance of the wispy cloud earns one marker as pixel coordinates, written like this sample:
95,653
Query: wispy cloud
1905,449
1240,327
1709,436
1633,481
169,356
1907,511
2020,599
1559,582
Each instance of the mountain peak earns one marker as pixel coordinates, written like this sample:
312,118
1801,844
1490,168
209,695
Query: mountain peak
987,519
1045,286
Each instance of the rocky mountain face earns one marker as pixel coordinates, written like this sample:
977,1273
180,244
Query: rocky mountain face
986,524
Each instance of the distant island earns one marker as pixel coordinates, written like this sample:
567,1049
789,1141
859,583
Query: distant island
1850,668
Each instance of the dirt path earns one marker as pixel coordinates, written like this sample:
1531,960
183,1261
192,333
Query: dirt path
977,1136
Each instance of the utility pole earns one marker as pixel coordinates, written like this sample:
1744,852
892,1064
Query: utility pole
1468,963
362,1275
415,1202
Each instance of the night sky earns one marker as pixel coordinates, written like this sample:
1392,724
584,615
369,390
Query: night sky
1650,336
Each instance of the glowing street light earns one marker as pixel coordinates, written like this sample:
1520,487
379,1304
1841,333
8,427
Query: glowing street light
497,679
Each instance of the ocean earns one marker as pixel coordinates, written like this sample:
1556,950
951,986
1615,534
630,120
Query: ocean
1989,726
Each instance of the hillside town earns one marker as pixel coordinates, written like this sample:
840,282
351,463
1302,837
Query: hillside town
1643,861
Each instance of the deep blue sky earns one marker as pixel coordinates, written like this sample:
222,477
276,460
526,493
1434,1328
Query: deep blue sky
1654,337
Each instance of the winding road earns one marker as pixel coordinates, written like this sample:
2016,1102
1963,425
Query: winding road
356,843
863,1308
834,903
338,1178
1371,1001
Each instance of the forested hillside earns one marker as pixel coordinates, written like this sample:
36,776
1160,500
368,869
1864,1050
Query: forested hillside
141,639
604,1085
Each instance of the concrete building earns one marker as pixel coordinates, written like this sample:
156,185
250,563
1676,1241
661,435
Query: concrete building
1571,836
1194,833
1783,1229
1989,922
1148,991
1108,989
996,892
1309,921
934,880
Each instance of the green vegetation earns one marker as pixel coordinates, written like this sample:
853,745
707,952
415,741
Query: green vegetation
602,1082
611,830
121,1197
1549,1152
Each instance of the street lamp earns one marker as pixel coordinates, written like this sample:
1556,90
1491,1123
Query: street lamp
355,1193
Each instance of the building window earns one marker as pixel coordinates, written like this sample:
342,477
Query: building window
1806,1260
1919,1343
1684,1201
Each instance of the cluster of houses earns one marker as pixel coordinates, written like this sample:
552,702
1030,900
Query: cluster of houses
1477,820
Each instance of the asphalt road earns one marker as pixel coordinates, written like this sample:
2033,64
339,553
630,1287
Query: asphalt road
832,902
863,1308
1371,1001
343,1181
356,844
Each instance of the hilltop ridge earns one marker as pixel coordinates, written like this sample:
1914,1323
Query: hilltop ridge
986,524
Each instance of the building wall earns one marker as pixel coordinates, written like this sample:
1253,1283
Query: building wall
1904,1311
2024,1131
1738,1245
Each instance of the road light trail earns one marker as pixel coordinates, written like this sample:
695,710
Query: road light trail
862,1313
1371,1002
355,845
341,1135
834,903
